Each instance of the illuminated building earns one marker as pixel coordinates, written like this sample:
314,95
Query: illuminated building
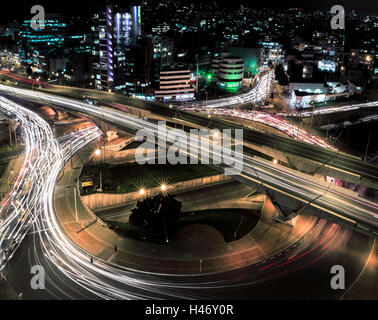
217,59
163,54
307,94
36,45
175,84
117,33
48,50
272,52
228,70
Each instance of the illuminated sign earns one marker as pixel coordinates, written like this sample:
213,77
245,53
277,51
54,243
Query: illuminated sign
87,184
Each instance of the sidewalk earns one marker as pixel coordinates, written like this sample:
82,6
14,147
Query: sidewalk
96,238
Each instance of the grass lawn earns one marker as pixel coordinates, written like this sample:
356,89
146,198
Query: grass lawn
132,176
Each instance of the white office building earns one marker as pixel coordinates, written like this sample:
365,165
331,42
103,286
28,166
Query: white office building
175,84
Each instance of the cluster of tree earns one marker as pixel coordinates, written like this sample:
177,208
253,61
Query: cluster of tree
157,215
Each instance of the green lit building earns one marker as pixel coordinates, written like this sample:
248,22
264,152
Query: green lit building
228,70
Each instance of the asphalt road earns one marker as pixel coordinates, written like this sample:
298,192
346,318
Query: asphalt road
303,269
286,145
301,272
336,204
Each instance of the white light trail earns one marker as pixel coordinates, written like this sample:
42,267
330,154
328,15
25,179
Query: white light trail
44,161
257,94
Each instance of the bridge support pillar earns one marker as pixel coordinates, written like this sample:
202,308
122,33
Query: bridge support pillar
59,115
282,214
111,136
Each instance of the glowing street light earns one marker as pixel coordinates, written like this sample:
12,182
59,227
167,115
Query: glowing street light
275,161
163,187
142,191
97,152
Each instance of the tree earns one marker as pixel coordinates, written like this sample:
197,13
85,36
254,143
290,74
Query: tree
157,215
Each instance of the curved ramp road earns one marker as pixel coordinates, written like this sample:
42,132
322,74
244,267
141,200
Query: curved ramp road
257,94
335,203
23,203
70,272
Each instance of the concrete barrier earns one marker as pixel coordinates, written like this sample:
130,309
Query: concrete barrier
102,201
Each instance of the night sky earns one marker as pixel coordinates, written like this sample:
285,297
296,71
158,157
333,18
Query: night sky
21,9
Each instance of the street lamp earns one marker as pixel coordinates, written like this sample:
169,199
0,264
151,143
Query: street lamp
142,191
97,152
163,187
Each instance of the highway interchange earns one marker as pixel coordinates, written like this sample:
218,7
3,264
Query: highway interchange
339,204
70,269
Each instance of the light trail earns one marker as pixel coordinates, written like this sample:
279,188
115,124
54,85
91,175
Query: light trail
336,109
257,94
102,279
269,120
349,209
108,281
22,205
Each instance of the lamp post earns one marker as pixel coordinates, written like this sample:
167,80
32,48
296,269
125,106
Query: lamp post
76,213
97,154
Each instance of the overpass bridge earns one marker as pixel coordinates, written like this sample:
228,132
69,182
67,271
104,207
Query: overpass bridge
290,191
303,156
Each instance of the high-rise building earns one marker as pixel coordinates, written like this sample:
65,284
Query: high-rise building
137,74
163,54
36,45
47,50
273,52
116,48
